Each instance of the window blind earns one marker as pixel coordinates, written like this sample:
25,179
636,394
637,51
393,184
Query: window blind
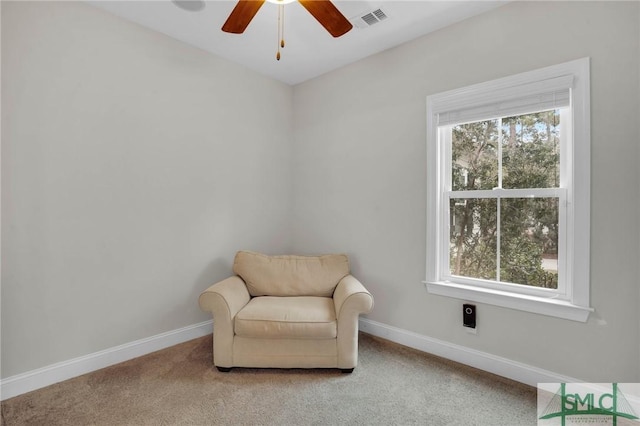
515,100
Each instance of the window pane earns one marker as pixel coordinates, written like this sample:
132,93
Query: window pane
473,237
529,241
474,150
531,150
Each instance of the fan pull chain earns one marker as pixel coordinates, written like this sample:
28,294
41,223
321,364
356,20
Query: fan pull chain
280,29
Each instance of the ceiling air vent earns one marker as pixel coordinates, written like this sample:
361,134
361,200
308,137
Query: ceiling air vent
368,19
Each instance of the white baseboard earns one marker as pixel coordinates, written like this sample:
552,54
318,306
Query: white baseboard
36,379
504,367
45,376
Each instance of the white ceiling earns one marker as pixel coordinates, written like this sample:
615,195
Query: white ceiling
310,50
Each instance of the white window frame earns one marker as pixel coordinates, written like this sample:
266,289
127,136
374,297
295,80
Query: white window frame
571,299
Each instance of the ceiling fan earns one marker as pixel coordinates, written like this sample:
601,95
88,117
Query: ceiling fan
323,10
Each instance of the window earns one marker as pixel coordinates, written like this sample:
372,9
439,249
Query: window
508,192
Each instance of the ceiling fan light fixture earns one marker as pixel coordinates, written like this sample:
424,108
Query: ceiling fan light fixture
281,1
190,5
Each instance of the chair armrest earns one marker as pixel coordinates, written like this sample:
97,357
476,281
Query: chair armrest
350,296
226,297
224,300
351,299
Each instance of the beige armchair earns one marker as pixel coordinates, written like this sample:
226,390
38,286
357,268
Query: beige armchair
287,312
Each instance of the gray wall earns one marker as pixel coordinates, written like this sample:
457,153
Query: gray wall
130,176
359,157
133,168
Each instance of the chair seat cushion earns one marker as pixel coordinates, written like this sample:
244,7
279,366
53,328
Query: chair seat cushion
298,317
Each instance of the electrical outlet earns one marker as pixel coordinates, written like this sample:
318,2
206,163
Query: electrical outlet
469,317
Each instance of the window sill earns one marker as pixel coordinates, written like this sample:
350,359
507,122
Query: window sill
538,305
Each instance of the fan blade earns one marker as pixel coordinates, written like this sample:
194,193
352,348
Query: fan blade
328,16
241,15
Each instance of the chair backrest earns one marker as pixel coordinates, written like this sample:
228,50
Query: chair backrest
290,275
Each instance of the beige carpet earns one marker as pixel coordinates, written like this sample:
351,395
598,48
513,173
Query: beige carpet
392,385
